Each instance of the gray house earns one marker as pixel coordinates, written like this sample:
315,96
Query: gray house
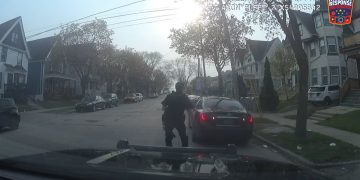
250,62
322,42
49,79
14,58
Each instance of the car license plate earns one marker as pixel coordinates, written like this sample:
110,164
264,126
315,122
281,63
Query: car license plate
228,121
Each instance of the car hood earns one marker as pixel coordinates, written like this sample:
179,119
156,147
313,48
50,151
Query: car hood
107,164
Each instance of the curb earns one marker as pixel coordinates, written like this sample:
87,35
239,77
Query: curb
299,159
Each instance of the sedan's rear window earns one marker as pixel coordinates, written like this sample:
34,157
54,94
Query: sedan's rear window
317,89
223,105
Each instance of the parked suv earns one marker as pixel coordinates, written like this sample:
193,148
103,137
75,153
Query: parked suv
324,93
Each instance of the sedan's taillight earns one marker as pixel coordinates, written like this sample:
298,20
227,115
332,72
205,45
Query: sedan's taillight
203,117
250,119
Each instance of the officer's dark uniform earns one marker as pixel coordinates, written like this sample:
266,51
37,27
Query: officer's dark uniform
174,117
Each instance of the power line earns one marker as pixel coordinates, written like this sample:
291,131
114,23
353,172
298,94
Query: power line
143,23
118,15
129,4
121,22
51,29
135,13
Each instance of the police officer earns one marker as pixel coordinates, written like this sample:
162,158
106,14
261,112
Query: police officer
174,105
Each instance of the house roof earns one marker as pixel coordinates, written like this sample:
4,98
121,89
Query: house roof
259,48
307,20
5,27
40,48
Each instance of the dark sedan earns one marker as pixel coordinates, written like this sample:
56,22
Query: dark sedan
111,100
90,103
9,115
221,117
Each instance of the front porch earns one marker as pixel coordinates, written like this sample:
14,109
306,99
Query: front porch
59,86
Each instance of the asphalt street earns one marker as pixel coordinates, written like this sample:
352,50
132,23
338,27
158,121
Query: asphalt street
139,123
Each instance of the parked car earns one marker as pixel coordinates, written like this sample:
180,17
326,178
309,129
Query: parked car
9,115
90,103
324,94
215,117
139,96
111,99
131,98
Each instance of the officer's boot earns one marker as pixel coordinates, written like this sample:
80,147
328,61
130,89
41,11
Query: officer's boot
185,141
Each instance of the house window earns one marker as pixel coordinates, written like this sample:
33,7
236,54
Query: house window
19,59
318,21
301,29
312,49
334,75
256,67
10,78
14,37
343,74
331,43
4,52
314,79
322,46
324,76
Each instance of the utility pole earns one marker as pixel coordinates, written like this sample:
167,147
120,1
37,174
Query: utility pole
229,44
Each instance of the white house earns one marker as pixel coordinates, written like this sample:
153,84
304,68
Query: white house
322,42
14,55
250,61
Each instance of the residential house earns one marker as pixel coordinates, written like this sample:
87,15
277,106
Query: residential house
351,48
50,79
322,42
250,62
14,58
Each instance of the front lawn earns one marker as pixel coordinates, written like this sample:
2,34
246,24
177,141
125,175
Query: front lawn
48,104
316,147
349,121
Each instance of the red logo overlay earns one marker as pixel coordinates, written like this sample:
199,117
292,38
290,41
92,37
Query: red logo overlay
340,11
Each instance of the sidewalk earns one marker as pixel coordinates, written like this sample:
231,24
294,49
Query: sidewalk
342,135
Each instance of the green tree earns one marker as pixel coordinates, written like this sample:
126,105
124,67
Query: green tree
83,47
269,98
282,65
276,18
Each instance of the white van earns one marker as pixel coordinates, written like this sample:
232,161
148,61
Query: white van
324,93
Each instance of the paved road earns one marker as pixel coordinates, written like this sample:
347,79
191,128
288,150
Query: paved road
140,123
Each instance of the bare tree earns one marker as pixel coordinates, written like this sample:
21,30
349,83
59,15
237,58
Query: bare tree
273,16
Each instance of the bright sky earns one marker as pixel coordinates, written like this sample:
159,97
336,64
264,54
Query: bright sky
40,15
